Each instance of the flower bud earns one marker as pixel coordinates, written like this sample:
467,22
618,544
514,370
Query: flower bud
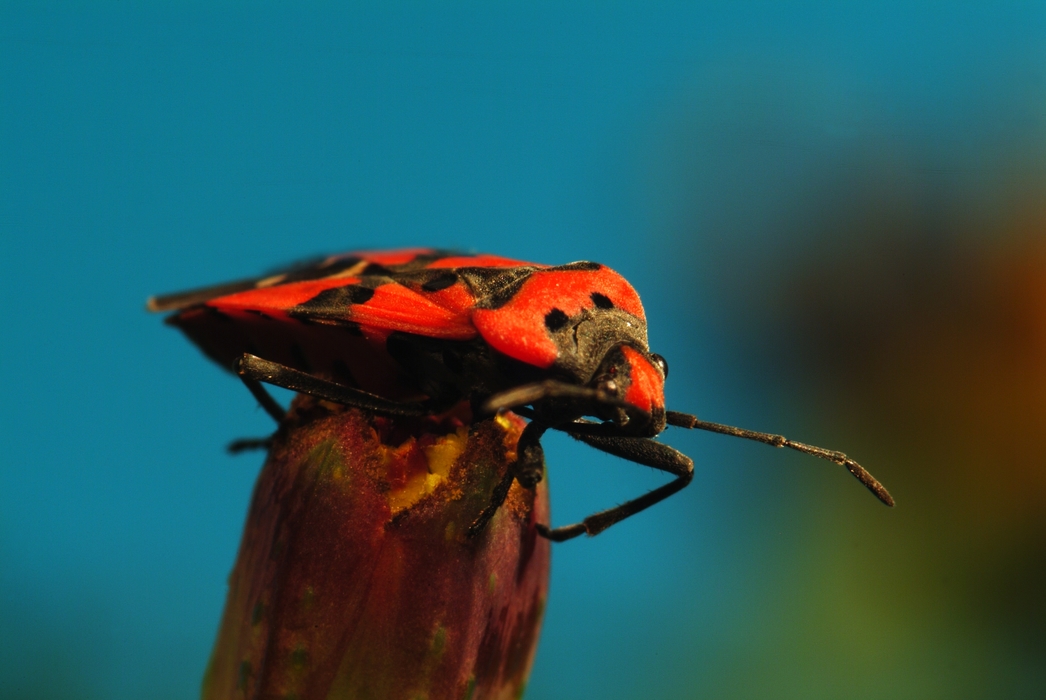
356,577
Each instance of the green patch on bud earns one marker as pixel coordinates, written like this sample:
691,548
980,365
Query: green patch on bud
439,641
245,676
307,600
299,657
258,613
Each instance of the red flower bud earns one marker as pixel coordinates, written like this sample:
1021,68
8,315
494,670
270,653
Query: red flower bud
356,577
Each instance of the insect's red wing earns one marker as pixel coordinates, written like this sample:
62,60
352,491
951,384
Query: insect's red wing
379,305
332,318
342,265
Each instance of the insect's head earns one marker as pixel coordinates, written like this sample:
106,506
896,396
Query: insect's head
636,378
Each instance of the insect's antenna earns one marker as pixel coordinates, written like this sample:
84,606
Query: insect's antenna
685,420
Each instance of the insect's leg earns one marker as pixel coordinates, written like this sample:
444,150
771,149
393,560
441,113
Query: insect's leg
550,388
247,444
528,469
253,382
643,451
685,420
254,370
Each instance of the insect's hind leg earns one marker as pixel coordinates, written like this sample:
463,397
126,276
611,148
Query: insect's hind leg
642,451
271,406
254,370
252,379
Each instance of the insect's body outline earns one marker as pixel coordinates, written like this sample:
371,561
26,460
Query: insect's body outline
416,331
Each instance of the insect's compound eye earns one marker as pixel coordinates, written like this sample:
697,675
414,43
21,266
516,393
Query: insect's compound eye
661,362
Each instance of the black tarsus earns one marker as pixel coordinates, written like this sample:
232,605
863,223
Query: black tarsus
685,420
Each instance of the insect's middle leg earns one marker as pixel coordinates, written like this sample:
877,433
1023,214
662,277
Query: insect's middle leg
642,451
528,469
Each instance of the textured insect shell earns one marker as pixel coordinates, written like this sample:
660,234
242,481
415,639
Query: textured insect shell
524,328
570,321
333,318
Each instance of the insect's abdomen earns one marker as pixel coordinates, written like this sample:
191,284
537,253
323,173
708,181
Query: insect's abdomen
347,354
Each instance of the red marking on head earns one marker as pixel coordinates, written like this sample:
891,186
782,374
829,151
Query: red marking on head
517,329
647,390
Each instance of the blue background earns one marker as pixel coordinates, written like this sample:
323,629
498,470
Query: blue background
820,205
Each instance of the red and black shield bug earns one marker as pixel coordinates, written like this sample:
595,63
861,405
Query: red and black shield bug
414,332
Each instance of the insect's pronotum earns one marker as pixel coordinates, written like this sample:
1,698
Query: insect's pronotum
415,332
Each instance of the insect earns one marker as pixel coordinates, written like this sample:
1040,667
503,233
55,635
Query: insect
415,332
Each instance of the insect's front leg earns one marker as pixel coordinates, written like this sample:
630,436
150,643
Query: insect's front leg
528,469
642,451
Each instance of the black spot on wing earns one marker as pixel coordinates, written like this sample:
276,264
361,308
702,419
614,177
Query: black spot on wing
582,266
556,319
322,268
312,269
602,301
351,327
318,269
442,280
258,313
357,294
374,269
421,261
493,287
332,304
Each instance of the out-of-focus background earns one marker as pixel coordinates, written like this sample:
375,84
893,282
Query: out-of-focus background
836,217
